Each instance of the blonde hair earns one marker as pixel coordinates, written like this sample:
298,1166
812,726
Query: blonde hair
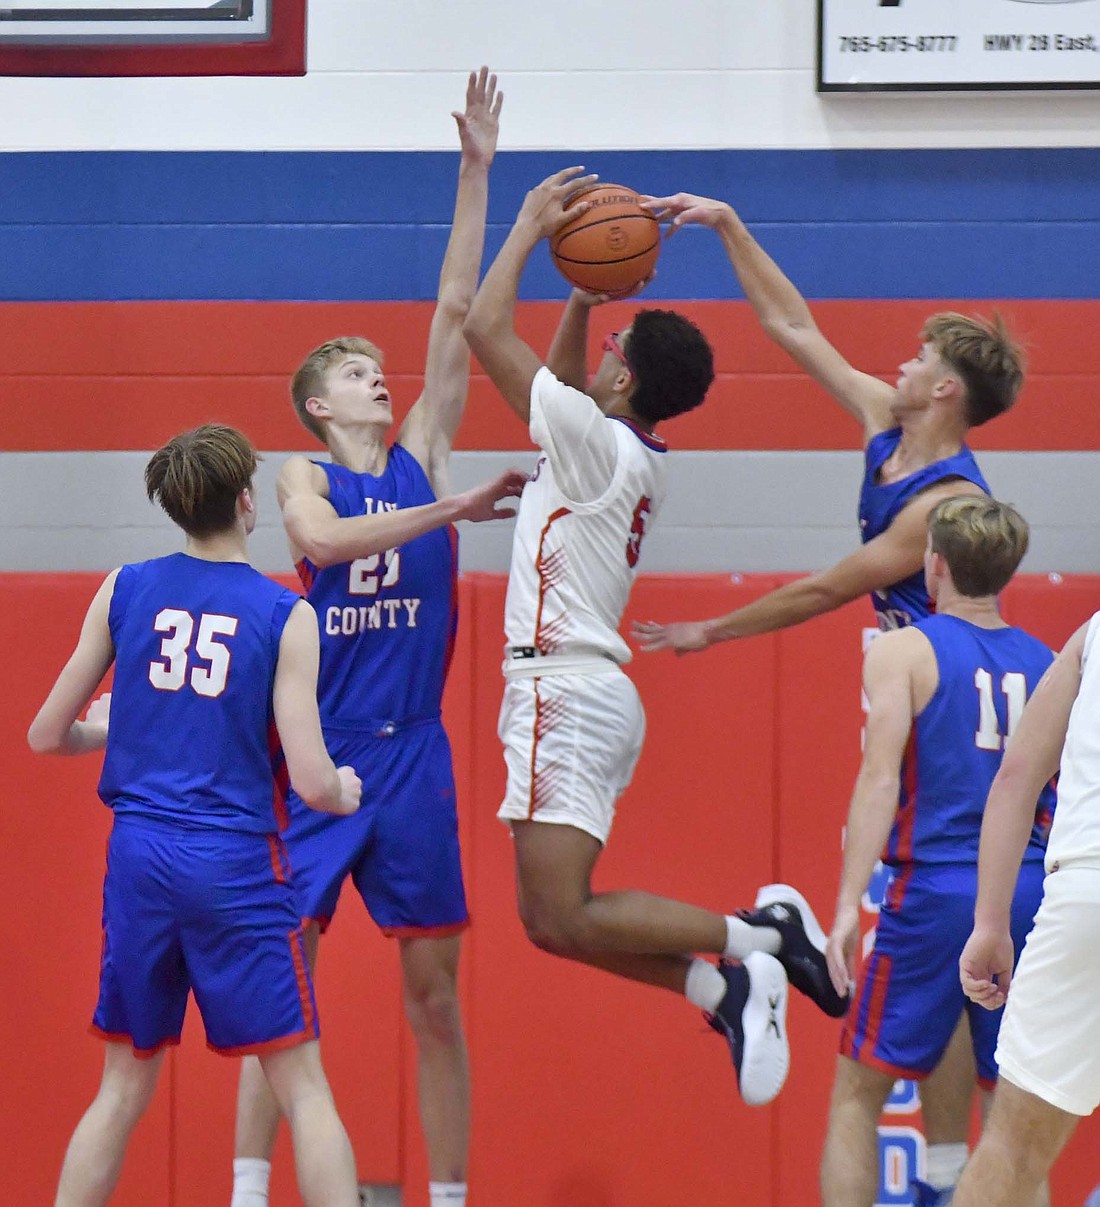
982,541
309,380
197,476
983,352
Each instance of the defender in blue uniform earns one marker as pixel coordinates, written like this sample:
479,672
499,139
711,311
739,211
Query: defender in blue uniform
387,631
965,373
213,707
944,696
372,539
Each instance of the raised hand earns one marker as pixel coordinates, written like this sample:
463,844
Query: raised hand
683,209
544,206
685,637
584,298
480,503
479,125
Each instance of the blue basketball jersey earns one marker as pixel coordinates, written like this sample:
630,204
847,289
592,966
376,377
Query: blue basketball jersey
388,621
906,601
192,735
956,745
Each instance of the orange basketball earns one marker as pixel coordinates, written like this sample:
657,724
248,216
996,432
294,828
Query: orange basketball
612,246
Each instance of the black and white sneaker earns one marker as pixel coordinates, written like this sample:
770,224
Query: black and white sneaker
753,1018
802,944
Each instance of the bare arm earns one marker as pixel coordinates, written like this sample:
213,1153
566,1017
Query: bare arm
567,356
888,671
430,427
327,539
315,777
491,326
890,557
1030,759
782,310
56,730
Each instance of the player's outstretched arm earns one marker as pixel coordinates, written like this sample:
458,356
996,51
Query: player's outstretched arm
781,309
56,729
315,777
316,531
490,329
889,558
1031,758
430,427
888,670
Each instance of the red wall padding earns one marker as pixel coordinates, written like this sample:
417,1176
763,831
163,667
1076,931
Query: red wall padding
587,1091
91,376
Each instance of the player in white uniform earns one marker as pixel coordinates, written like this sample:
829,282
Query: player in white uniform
571,721
1048,1054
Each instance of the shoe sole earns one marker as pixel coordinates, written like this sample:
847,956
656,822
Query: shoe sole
767,1054
772,893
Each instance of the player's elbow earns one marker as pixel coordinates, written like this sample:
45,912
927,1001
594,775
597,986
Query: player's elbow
478,326
824,595
44,738
454,302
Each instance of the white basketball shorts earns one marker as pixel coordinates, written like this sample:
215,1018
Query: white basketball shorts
571,743
1047,1043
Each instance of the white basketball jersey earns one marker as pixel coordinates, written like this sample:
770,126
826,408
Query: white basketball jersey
1075,833
582,517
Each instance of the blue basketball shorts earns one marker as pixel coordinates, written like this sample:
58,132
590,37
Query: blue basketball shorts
206,911
401,847
908,998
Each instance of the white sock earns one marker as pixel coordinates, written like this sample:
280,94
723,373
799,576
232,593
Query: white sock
705,985
743,939
447,1194
944,1163
250,1179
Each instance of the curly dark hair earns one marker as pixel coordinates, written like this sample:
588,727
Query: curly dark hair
672,363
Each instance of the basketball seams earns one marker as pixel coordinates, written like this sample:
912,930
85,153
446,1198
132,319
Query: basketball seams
601,250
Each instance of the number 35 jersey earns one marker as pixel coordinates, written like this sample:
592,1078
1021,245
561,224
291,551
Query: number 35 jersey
957,742
192,735
582,518
387,621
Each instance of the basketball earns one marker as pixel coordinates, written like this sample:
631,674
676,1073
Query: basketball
612,246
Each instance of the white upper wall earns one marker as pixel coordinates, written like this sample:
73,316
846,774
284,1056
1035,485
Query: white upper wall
625,74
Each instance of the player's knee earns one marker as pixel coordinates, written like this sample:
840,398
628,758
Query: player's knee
435,1016
560,932
125,1102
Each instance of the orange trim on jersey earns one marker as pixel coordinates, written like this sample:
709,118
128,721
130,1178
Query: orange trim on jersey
305,988
120,1037
276,851
899,883
272,1045
871,1061
547,570
306,573
907,813
879,966
425,932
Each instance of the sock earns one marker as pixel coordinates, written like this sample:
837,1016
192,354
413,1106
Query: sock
743,939
705,985
447,1194
250,1178
943,1164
